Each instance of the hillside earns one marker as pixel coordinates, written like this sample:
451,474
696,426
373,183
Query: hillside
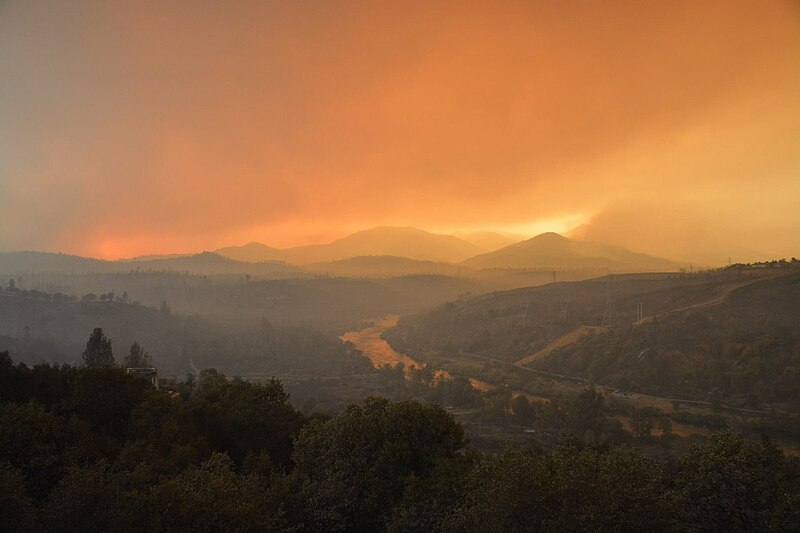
730,333
381,266
12,263
512,324
551,250
743,348
331,302
37,326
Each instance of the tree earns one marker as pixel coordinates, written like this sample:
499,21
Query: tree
524,412
729,484
575,488
85,500
357,466
18,510
210,497
138,357
105,398
98,350
586,413
33,442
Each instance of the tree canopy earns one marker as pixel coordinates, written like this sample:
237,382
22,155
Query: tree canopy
98,350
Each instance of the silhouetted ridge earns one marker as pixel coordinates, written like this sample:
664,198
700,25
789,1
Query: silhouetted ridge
551,250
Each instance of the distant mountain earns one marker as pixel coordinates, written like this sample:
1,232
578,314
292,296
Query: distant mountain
152,257
411,243
551,250
253,252
12,263
488,241
213,263
384,266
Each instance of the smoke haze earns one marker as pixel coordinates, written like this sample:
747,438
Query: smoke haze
142,127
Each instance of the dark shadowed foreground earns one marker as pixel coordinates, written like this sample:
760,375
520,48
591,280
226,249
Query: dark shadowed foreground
93,449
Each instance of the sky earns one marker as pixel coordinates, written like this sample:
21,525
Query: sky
145,127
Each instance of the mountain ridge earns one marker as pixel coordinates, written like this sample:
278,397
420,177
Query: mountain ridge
409,242
380,251
552,250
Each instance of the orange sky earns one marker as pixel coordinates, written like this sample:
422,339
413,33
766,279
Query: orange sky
151,127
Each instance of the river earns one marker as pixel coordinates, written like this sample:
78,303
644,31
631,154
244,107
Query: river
368,340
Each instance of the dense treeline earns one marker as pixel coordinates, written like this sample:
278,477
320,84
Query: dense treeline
93,449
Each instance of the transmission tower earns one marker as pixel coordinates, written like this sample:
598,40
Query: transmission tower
639,313
610,312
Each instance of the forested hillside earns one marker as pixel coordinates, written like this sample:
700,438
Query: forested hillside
334,304
512,324
39,327
744,350
731,335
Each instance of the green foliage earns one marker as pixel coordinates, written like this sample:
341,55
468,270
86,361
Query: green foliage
98,350
209,497
105,397
92,449
138,357
358,465
33,442
87,499
573,489
728,484
17,510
